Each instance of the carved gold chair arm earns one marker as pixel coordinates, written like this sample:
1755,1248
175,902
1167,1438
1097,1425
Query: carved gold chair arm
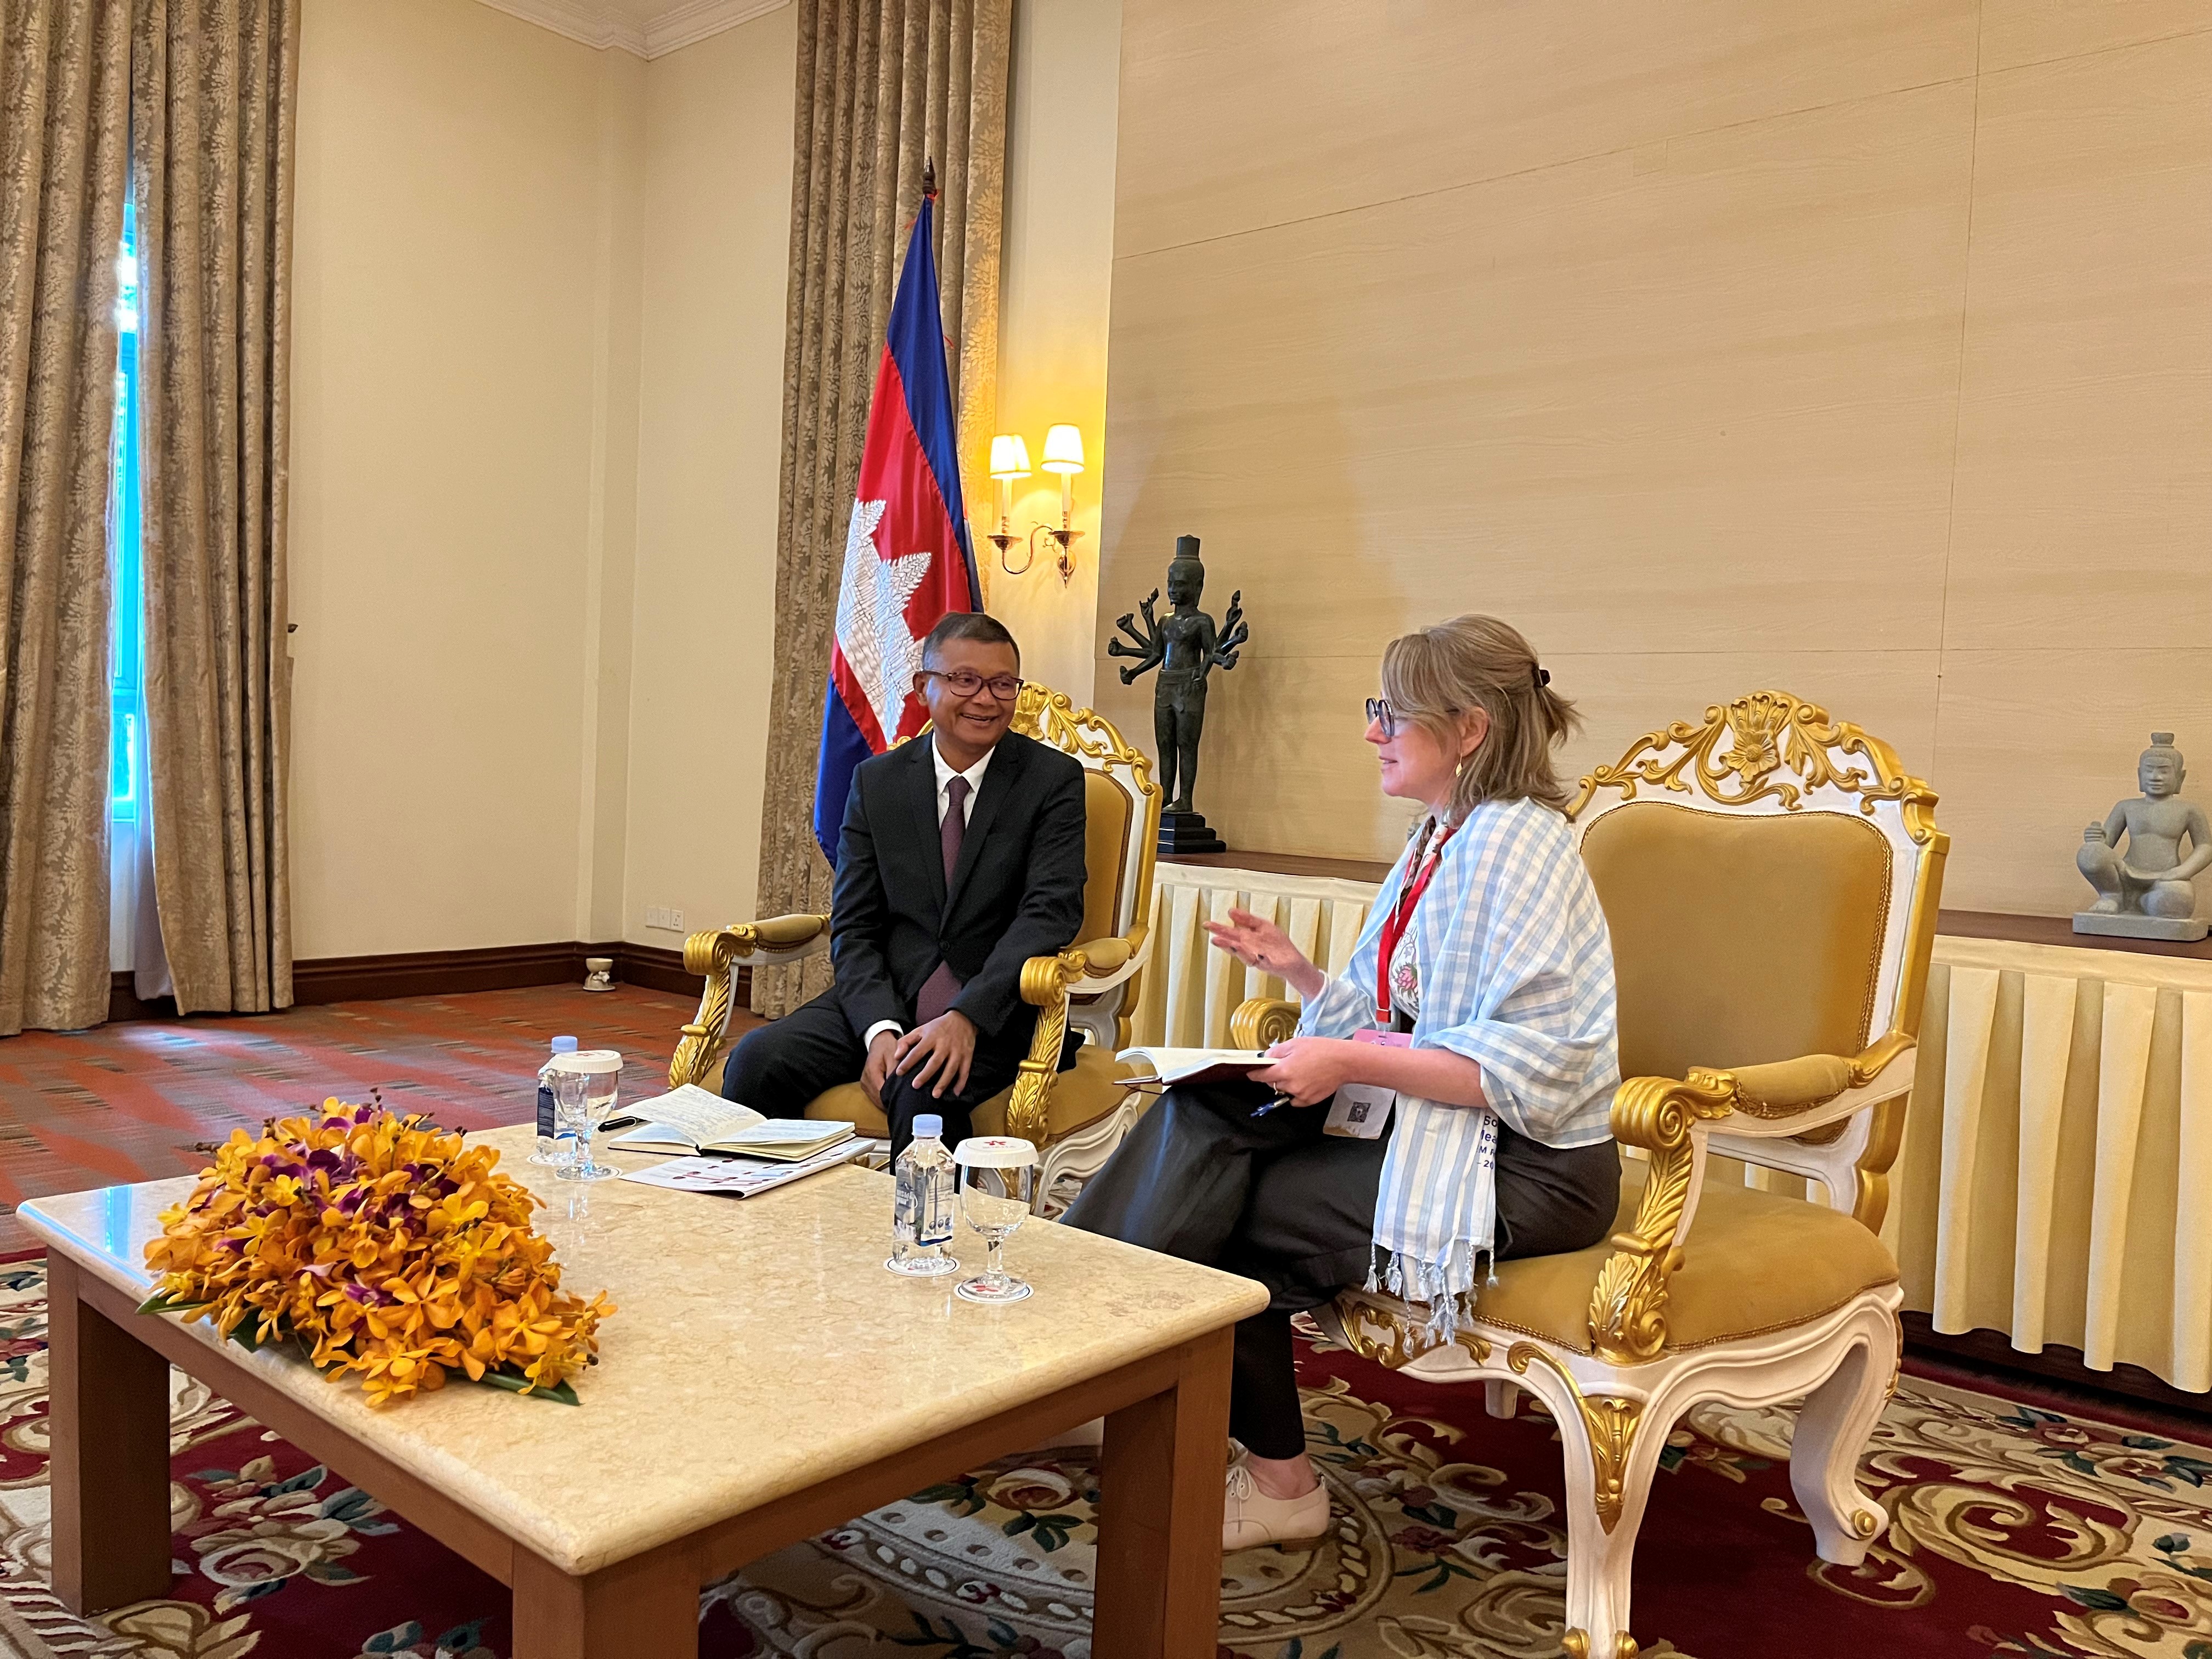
715,956
1628,1308
1262,1021
1048,985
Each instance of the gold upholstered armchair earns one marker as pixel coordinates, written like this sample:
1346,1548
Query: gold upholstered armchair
1075,1117
1770,879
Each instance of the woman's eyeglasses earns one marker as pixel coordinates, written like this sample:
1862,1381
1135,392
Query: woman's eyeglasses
1379,713
966,683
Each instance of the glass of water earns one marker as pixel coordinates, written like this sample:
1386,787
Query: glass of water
584,1085
997,1181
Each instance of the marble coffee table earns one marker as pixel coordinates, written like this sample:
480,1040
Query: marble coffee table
764,1380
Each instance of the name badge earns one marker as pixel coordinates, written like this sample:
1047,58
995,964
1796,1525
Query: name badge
1360,1111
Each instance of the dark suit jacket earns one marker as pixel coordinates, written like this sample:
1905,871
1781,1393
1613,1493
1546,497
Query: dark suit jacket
1017,892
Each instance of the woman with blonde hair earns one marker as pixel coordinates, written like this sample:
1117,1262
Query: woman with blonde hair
1477,1011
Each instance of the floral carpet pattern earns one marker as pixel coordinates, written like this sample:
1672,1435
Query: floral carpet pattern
2015,1533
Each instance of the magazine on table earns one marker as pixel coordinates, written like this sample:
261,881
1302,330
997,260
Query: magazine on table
738,1178
690,1119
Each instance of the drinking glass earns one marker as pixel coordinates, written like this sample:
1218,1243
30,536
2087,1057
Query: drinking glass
997,1180
584,1085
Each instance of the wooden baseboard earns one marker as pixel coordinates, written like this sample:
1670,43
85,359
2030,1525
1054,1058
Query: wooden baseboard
1991,1350
448,973
434,972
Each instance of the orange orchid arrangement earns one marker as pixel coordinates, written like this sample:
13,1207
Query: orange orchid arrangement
386,1246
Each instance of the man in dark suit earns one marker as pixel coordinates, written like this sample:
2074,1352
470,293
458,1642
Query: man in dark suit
962,856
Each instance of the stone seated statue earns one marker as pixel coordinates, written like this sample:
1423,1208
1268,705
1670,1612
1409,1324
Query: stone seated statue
2147,892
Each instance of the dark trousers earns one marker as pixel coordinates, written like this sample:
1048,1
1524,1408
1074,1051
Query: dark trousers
1277,1200
777,1069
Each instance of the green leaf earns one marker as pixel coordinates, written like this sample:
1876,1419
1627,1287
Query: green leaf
161,1302
1019,1524
305,1480
515,1382
947,1493
2172,1542
2097,1601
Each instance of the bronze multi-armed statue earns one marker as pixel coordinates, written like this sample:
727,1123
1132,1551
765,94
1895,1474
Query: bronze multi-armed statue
1186,647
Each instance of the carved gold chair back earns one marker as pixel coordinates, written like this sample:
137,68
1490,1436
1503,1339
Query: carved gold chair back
1770,879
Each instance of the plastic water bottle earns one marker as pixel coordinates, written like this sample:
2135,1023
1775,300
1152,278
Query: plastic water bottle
921,1217
549,1149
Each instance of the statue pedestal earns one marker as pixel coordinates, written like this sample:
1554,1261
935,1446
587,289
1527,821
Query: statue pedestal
2122,924
1187,832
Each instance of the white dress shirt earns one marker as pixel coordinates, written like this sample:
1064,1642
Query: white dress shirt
945,776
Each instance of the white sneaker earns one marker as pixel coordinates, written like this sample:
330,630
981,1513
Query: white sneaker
1250,1518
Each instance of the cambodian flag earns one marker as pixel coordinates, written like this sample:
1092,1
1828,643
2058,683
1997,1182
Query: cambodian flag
907,559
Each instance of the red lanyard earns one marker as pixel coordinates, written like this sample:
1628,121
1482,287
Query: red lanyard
1394,926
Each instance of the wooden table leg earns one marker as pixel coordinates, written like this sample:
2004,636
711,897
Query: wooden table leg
646,1607
108,1412
1159,1515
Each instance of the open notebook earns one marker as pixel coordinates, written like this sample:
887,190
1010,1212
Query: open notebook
690,1119
1173,1066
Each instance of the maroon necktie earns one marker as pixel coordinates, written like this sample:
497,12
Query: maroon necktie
942,986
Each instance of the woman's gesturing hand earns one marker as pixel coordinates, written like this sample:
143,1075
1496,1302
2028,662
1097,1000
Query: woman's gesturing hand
1259,943
1309,1070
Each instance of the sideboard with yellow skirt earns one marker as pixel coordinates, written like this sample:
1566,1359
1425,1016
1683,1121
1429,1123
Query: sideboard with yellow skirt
2055,1180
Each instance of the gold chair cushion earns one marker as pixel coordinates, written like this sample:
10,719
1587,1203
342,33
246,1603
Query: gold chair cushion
1755,1261
1806,1081
1079,1098
1739,941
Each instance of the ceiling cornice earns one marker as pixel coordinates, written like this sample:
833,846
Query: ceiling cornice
669,30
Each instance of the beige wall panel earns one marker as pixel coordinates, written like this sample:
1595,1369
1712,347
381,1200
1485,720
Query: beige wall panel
2033,746
1700,397
2017,32
1286,769
1240,113
2084,502
449,330
717,216
1055,279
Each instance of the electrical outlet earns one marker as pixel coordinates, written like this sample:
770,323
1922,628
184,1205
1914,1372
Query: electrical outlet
660,915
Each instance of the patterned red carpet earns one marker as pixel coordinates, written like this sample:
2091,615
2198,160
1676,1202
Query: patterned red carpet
2016,1532
129,1103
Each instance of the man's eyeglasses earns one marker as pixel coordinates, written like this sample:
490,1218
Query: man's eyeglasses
1379,713
966,683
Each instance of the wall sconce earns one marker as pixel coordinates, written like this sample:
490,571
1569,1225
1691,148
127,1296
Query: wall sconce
1010,459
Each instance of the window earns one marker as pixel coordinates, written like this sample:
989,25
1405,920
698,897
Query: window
127,616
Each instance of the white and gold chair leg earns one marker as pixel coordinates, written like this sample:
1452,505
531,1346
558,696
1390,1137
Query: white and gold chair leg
1833,1426
1610,1444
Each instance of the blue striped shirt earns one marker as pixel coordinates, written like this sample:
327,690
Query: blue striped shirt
1516,974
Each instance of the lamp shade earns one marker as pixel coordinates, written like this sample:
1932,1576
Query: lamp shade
1063,450
1010,456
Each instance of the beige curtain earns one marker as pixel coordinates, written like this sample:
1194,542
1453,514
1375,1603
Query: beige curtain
882,85
213,85
2055,1180
64,106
